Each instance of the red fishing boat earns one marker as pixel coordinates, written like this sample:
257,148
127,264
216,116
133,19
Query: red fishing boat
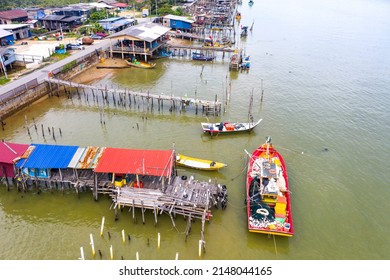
267,192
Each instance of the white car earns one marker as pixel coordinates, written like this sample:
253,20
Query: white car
74,47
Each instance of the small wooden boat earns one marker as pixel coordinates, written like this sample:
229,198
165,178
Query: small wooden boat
202,56
246,63
228,127
238,16
267,192
197,163
141,64
244,31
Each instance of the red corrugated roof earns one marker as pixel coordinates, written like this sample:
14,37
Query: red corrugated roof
120,5
11,151
143,162
13,14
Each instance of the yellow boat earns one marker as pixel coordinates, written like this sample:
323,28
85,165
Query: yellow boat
197,163
141,64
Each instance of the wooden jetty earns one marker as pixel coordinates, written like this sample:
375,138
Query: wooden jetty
184,196
207,107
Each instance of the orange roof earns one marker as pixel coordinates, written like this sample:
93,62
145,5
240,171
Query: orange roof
142,162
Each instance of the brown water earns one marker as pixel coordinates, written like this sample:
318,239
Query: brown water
325,105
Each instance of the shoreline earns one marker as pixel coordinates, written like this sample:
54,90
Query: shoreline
93,74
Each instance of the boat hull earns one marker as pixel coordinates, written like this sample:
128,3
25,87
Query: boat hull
197,163
141,64
267,193
202,57
228,128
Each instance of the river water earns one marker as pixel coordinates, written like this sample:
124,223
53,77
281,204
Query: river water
325,68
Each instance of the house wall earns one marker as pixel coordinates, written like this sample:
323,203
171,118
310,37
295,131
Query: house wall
5,21
9,170
176,24
37,172
10,21
8,57
20,33
7,40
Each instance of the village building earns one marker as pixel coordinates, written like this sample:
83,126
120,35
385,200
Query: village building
177,22
108,2
47,162
6,37
120,5
116,24
7,57
19,31
83,163
82,10
143,40
58,22
9,155
33,23
35,13
12,16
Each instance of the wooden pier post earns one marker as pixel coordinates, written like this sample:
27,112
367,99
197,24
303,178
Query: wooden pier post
58,87
142,212
50,89
123,236
102,227
95,187
92,245
134,211
189,223
155,214
82,253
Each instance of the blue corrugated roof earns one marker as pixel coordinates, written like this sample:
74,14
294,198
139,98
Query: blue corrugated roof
49,156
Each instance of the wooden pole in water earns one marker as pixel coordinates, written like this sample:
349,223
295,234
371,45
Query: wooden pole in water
111,253
123,236
177,256
101,228
92,245
200,248
158,240
137,256
133,206
142,212
82,253
155,214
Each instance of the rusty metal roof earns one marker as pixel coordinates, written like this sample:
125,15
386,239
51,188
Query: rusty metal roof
86,157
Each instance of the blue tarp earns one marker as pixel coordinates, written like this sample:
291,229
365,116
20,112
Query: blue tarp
48,156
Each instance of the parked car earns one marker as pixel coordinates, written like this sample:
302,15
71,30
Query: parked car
95,37
101,34
74,47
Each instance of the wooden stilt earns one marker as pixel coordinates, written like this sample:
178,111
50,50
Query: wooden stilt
142,212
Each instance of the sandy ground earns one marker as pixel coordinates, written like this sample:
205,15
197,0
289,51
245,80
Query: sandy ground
95,74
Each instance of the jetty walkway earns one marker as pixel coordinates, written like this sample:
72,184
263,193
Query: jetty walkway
125,95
